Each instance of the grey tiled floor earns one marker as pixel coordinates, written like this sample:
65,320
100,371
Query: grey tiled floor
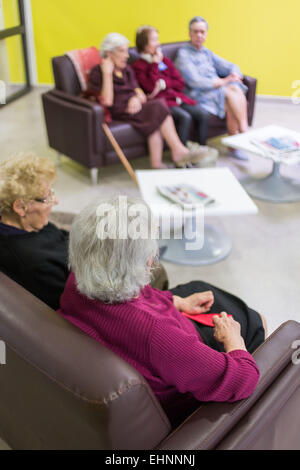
264,265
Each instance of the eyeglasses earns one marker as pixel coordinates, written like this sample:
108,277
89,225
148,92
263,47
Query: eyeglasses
49,199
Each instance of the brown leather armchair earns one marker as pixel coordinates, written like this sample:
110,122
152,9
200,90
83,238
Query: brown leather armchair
74,124
60,389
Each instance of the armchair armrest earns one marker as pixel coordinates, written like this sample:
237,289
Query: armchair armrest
74,127
251,83
212,422
75,392
95,106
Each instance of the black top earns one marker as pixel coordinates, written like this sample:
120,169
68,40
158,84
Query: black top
10,230
37,260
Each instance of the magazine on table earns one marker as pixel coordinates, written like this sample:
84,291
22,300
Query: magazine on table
278,145
185,195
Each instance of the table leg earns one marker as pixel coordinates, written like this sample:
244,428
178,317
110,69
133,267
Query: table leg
216,246
274,187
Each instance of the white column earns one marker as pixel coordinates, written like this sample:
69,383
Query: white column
30,42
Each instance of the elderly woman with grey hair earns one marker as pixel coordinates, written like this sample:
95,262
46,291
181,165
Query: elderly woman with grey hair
112,255
212,81
115,81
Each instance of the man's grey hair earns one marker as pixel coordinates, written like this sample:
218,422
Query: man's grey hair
198,19
112,269
111,41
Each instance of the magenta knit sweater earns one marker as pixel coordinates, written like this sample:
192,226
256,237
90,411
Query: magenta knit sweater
165,347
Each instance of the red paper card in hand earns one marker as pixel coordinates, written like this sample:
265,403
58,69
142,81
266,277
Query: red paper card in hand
203,318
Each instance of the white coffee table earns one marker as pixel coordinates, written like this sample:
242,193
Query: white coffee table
274,187
222,185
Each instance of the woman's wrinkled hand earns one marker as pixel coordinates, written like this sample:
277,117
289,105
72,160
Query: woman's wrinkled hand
233,77
228,332
134,105
141,95
195,303
157,89
107,66
158,56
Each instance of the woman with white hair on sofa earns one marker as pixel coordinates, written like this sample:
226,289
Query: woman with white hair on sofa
115,80
108,296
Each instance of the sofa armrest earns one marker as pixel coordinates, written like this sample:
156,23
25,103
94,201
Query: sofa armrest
251,83
212,422
74,127
95,106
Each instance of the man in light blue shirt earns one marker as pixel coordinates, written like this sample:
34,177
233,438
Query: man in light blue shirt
212,81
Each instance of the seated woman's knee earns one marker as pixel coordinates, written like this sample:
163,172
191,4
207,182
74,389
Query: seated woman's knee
264,322
233,89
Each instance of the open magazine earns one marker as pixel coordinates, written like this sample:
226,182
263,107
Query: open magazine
185,195
278,145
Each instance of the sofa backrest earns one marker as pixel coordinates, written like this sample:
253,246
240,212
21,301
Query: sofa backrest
60,389
65,76
169,50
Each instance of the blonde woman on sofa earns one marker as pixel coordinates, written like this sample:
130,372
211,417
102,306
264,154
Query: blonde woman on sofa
34,251
115,80
108,296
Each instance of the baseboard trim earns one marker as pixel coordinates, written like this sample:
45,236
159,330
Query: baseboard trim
44,85
260,98
275,99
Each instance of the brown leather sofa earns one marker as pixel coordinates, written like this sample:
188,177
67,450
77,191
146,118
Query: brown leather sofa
60,389
74,124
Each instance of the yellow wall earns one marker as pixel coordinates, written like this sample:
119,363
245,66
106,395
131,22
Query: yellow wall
262,36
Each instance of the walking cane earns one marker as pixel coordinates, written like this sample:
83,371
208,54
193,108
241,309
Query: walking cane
119,152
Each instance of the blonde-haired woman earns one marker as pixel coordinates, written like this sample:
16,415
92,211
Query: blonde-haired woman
115,81
34,251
